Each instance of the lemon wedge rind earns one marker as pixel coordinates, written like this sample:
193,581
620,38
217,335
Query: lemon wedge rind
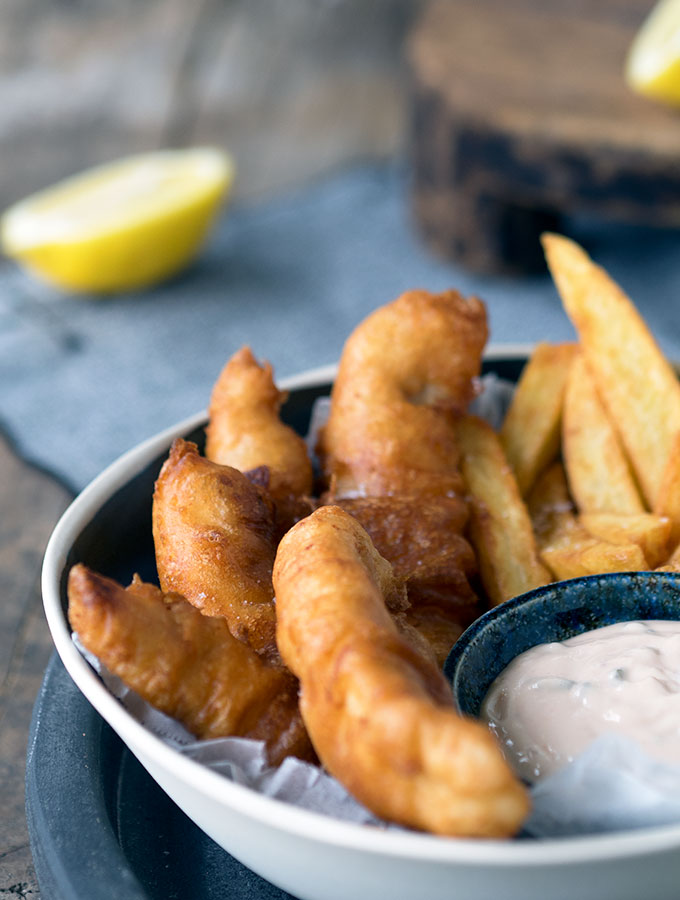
653,63
122,226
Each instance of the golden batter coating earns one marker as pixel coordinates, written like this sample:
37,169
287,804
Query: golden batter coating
425,546
381,715
390,449
404,374
185,664
246,432
215,540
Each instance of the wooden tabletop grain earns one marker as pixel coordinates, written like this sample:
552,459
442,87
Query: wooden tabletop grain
30,504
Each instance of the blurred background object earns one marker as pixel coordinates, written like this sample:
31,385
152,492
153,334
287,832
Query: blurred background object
514,114
291,87
653,63
522,117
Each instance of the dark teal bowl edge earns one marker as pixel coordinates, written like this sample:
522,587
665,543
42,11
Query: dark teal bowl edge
553,613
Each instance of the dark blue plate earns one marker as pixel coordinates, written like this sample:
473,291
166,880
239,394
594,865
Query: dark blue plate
101,827
553,613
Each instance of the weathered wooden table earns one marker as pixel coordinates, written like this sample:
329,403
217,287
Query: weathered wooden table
30,503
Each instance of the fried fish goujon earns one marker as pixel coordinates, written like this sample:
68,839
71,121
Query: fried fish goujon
425,546
186,664
379,714
390,448
246,432
215,540
405,372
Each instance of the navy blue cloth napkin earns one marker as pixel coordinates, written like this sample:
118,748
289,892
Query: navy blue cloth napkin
83,380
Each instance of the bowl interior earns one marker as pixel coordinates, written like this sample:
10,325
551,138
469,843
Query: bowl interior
553,613
117,541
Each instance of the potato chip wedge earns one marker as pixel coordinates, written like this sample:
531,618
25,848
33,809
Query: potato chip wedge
668,498
651,533
600,479
531,431
564,545
594,558
672,564
637,384
499,527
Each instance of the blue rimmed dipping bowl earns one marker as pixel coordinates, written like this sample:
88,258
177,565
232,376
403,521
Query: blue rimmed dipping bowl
553,613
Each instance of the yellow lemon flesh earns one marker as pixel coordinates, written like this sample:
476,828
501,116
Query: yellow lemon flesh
653,65
122,226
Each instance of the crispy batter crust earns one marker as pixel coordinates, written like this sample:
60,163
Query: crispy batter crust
380,715
246,432
405,372
390,450
185,664
427,550
215,541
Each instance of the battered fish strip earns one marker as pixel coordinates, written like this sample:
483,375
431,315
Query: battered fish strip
245,431
390,449
425,546
187,665
405,372
215,540
379,714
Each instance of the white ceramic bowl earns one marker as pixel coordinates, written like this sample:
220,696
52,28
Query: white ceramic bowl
309,855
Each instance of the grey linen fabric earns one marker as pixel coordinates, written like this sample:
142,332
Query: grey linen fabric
84,379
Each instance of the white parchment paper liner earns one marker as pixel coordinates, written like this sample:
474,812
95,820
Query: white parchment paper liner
612,786
242,760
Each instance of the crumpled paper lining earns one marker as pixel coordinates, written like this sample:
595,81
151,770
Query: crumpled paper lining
612,786
242,760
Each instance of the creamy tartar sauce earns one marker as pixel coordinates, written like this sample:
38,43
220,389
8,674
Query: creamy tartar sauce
555,699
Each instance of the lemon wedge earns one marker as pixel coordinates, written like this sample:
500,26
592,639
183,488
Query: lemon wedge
653,64
122,226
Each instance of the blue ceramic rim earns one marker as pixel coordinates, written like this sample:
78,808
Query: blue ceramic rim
587,589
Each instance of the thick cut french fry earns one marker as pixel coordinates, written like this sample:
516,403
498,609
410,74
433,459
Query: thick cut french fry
594,558
636,383
668,498
672,564
565,546
499,526
651,533
531,431
600,479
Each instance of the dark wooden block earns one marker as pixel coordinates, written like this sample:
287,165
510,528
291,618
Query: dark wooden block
520,115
